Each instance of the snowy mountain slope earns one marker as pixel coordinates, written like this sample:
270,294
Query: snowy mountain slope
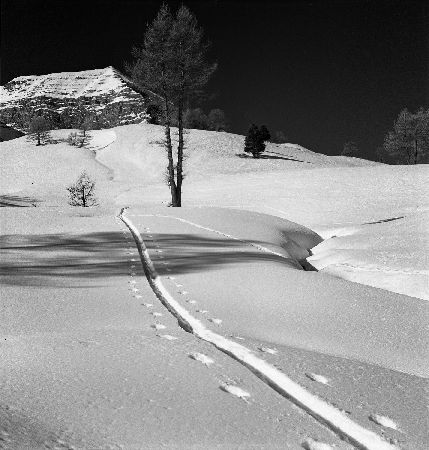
81,322
106,93
323,193
326,194
42,173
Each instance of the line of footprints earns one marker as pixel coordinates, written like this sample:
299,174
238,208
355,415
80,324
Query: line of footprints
309,444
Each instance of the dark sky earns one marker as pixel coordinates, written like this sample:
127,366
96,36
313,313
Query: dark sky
324,72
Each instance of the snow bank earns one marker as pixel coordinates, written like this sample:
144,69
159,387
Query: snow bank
316,407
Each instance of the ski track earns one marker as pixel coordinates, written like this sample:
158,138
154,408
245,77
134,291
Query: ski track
322,411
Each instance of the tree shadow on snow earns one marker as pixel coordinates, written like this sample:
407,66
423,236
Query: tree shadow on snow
17,201
66,260
271,155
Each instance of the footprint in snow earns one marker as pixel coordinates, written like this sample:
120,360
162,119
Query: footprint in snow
192,302
156,314
148,305
235,390
158,251
318,378
135,290
183,292
179,285
158,326
383,421
171,278
202,311
201,358
132,281
271,351
138,296
311,444
168,337
216,321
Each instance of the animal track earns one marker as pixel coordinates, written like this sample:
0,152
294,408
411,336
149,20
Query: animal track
216,321
271,351
318,378
383,421
201,358
311,444
168,337
236,391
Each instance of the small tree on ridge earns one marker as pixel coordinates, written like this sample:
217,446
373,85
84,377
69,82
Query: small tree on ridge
409,138
350,149
39,130
254,142
82,192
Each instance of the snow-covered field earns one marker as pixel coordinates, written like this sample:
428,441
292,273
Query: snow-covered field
93,356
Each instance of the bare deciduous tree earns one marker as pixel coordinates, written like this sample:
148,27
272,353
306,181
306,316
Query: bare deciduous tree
39,130
409,139
82,193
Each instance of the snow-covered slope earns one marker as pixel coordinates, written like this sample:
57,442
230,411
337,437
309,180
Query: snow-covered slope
81,322
332,196
106,93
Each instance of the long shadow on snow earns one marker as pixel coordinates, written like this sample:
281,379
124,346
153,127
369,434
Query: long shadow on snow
17,201
51,259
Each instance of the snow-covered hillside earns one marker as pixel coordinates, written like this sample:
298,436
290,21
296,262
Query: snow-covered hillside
134,362
109,95
347,200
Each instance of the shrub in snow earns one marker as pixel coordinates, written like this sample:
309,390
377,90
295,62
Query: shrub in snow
72,138
82,193
39,130
255,140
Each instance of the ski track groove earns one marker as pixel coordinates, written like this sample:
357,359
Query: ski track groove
322,411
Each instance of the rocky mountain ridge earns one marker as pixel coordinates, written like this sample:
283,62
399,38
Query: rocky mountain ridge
105,95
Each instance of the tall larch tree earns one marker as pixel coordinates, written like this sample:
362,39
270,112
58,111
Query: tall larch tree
172,63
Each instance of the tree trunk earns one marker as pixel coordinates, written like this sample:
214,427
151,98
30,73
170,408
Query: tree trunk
169,146
38,139
180,149
83,197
